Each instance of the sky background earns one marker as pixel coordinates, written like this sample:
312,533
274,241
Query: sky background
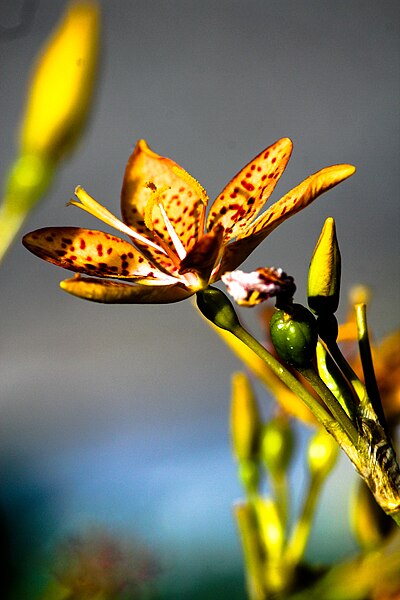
118,414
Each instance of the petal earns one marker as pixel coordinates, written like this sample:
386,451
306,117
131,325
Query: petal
92,252
244,196
203,256
182,201
294,201
113,292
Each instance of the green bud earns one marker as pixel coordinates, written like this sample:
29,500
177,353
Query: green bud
322,454
277,445
245,419
217,308
294,335
249,475
324,272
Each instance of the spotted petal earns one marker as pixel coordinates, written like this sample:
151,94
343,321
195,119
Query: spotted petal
180,197
115,292
244,196
94,253
294,201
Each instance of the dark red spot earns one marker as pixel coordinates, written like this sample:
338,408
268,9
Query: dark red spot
73,257
72,249
67,241
90,267
253,167
251,201
109,250
273,160
82,244
99,249
49,239
125,273
248,175
63,245
123,256
247,186
140,259
266,154
89,258
114,268
223,210
61,252
124,264
130,254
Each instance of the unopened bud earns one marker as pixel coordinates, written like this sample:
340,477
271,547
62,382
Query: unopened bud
245,419
324,272
277,445
322,454
62,84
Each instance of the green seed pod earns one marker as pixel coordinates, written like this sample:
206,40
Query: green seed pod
324,272
277,445
294,335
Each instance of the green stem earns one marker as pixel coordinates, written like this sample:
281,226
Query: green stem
352,378
302,530
368,365
334,406
284,375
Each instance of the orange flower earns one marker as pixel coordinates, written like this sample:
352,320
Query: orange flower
174,250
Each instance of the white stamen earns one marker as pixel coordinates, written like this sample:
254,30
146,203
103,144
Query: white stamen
180,250
91,206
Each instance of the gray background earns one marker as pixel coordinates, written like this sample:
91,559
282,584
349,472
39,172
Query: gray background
108,398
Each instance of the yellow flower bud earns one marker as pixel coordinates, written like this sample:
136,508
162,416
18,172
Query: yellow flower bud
324,272
322,454
62,84
245,419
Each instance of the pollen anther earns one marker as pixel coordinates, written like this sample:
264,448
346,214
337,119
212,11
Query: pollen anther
193,183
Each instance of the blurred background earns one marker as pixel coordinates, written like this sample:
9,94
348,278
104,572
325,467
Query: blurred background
117,416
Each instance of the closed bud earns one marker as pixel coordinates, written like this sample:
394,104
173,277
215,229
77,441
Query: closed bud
324,272
277,443
245,419
294,335
322,454
62,84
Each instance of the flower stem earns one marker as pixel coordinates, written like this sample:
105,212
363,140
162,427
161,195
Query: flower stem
324,392
285,375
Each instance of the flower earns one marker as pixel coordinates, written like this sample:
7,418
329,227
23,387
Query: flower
174,249
250,289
